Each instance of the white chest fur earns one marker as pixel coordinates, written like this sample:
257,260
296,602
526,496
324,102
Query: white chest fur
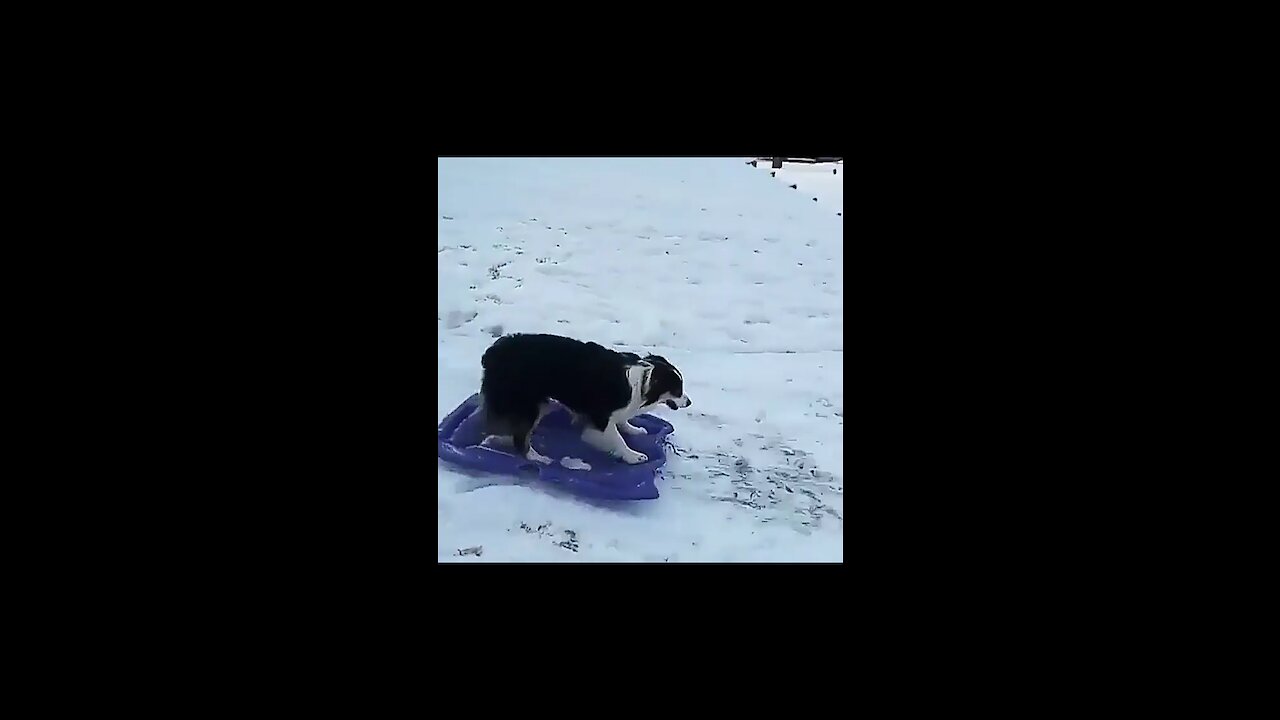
610,439
636,375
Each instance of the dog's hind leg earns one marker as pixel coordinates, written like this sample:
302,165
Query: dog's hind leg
522,433
496,428
544,408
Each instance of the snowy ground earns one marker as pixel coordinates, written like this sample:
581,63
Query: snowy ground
726,271
824,181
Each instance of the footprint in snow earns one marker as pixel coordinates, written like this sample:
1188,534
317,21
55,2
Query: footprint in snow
456,318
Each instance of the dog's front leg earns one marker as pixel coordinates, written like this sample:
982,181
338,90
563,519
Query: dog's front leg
608,440
626,427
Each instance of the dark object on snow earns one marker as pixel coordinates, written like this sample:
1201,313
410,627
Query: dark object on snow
793,187
833,171
753,164
815,199
807,161
773,174
777,163
840,214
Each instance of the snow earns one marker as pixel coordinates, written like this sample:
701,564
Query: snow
812,181
714,264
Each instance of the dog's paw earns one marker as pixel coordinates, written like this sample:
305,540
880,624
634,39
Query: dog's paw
630,429
634,458
536,456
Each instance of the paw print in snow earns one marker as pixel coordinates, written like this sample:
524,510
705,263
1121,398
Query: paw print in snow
570,542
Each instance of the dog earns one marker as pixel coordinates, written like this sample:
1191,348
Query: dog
603,388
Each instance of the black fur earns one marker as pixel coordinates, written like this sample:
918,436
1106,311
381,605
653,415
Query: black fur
523,371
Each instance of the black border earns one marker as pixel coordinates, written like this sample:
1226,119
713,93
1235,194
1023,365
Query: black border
700,593
294,298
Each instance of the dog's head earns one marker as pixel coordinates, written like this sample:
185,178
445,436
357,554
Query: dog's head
663,383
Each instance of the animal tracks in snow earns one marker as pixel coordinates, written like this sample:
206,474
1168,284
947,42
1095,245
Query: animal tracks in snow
789,487
567,539
457,318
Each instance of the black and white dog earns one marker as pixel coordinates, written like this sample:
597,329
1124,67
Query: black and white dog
603,387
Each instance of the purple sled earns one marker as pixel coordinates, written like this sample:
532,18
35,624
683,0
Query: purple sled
557,437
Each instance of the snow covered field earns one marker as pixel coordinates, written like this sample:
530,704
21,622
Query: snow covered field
726,271
824,181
